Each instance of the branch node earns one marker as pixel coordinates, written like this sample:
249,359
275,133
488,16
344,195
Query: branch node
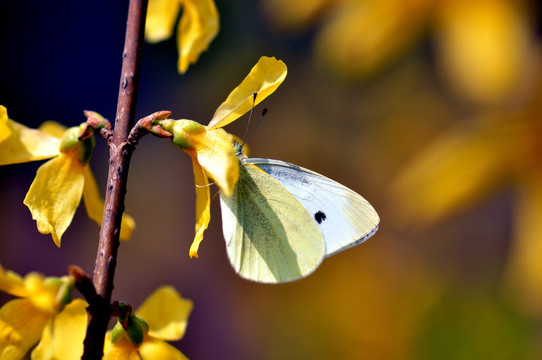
146,125
99,124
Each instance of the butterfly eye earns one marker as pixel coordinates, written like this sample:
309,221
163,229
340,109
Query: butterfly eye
319,217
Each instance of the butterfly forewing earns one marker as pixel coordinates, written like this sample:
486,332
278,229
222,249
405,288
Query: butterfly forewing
270,237
344,217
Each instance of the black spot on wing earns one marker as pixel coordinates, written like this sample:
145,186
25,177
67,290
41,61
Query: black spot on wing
319,217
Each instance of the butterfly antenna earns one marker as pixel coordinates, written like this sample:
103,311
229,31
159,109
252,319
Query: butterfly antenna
249,119
248,136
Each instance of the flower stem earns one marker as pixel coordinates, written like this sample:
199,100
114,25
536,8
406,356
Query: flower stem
120,151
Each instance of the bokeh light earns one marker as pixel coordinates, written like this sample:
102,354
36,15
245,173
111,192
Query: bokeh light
430,109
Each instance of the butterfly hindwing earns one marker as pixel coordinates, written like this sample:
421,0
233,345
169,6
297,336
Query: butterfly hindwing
345,218
270,237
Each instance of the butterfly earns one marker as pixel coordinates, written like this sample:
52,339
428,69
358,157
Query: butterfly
283,220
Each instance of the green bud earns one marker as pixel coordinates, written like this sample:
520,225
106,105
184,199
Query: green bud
117,333
137,328
96,121
64,285
182,131
70,143
133,327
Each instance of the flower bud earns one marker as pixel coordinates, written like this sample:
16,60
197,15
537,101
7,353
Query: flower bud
137,328
183,131
134,328
70,143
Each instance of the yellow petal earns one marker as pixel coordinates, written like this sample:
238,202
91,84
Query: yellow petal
294,15
42,294
166,312
161,17
21,325
48,294
363,36
203,206
5,131
198,27
94,204
19,143
55,194
53,128
484,47
216,154
123,349
213,149
63,337
264,78
457,170
523,273
156,349
12,283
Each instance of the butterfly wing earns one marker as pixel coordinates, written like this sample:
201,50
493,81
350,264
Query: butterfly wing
270,237
345,218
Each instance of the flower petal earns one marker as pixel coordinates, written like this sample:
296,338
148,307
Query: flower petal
63,337
12,283
161,17
388,28
166,312
294,15
216,154
48,294
264,78
94,204
19,143
5,130
198,27
55,194
21,325
156,349
124,349
524,270
483,47
213,149
203,206
458,169
53,128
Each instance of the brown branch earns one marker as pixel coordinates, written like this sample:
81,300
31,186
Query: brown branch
120,152
83,283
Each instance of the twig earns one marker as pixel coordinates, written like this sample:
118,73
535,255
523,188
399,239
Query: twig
120,152
83,283
145,126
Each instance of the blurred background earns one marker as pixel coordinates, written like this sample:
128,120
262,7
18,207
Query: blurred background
431,109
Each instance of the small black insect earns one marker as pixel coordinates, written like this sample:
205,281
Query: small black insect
319,216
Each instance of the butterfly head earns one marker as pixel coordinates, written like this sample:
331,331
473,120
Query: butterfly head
241,149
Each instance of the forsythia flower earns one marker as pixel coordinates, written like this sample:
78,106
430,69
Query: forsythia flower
211,148
472,162
59,184
482,48
166,314
44,311
197,28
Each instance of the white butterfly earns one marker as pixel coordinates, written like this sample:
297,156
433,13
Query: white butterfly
282,220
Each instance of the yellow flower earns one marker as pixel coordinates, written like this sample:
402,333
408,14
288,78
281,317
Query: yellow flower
197,28
483,48
40,312
63,337
59,184
211,148
166,314
473,162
